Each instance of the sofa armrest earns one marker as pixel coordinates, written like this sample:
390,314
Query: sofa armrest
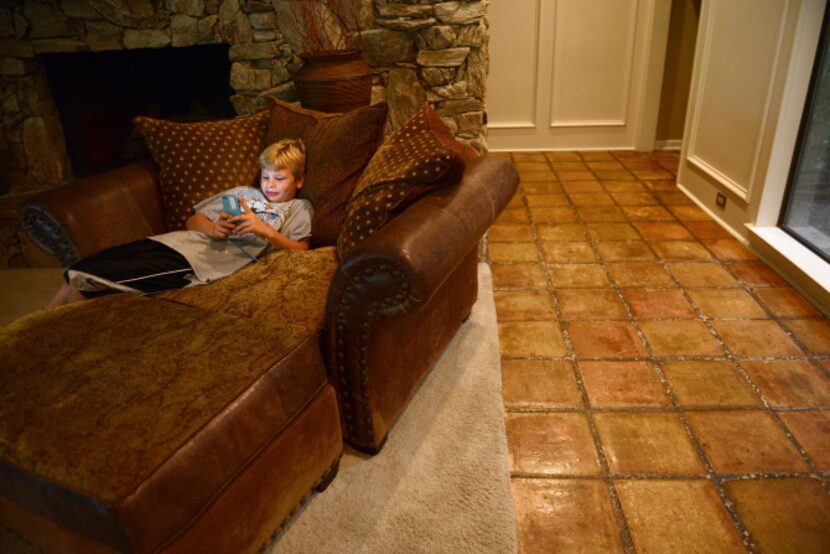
394,274
95,212
398,268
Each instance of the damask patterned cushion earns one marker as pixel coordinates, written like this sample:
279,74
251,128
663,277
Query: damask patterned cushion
420,156
285,288
197,160
97,395
338,147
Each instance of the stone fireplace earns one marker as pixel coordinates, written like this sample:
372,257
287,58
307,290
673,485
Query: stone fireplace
98,93
420,50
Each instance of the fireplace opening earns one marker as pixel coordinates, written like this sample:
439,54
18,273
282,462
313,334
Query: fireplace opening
97,93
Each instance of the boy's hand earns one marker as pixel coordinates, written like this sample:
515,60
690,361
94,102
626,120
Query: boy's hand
222,227
248,222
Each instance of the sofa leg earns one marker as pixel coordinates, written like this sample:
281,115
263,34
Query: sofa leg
328,477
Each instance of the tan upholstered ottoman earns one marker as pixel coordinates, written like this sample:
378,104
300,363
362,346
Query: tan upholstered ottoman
142,425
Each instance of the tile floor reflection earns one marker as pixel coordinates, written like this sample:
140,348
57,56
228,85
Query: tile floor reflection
665,390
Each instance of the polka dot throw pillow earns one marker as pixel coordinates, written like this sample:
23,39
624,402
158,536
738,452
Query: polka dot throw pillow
338,148
420,156
197,160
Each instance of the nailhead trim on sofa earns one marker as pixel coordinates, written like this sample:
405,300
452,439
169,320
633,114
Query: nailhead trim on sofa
397,291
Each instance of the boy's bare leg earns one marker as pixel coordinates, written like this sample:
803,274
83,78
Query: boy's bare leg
74,295
65,295
60,297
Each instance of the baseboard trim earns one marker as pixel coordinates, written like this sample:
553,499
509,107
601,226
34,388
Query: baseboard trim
788,262
673,144
799,265
702,205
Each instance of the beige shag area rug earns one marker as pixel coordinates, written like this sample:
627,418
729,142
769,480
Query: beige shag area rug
441,482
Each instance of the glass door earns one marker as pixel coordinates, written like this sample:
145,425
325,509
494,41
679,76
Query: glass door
806,211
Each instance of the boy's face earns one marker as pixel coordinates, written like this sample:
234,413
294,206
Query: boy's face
279,185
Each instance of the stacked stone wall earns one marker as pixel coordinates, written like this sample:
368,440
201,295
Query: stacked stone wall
421,51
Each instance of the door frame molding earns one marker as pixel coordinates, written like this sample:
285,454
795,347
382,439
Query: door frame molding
637,130
657,37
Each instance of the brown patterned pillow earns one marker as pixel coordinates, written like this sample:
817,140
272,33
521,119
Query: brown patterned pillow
338,147
197,160
420,156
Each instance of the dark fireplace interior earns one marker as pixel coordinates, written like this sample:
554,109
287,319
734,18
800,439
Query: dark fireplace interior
98,92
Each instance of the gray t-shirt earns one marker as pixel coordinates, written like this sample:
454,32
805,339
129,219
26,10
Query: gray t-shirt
213,259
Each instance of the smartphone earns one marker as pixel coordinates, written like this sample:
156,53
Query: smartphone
230,204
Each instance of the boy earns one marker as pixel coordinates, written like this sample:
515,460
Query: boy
215,244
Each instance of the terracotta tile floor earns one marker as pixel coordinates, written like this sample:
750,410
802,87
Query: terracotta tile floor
665,390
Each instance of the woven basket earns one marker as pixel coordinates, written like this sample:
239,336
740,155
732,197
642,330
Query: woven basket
334,81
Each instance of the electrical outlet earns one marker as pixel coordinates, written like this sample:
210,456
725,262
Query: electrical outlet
721,200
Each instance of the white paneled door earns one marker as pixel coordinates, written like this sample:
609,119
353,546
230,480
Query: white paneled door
575,74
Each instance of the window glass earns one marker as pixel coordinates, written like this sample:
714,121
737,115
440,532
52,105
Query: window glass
806,211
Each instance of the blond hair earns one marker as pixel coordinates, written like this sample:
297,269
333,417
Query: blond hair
286,154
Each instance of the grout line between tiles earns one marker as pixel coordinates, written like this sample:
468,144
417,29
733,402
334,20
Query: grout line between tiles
711,474
754,476
718,479
616,503
654,409
619,515
737,360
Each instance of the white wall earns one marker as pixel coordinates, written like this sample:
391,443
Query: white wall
752,69
575,74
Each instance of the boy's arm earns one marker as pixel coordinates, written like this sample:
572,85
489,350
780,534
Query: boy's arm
219,229
248,222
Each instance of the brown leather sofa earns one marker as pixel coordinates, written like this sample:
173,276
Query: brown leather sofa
381,318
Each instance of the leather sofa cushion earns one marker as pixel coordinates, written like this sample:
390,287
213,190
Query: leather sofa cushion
197,160
338,147
114,408
420,156
285,288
